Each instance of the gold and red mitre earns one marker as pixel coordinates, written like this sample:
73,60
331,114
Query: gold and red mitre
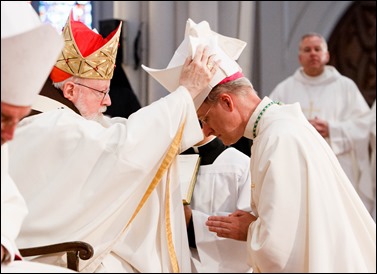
86,54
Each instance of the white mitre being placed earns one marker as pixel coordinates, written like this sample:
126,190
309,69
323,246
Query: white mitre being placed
224,48
28,52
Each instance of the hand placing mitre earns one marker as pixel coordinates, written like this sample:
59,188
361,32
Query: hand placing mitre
197,72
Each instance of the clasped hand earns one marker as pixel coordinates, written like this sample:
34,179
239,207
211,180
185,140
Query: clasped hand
234,226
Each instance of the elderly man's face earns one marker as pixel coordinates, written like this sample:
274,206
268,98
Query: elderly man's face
10,116
92,97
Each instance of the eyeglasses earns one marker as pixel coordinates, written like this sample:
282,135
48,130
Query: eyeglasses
104,92
204,118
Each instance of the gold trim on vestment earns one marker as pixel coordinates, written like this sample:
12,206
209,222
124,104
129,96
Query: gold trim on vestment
166,163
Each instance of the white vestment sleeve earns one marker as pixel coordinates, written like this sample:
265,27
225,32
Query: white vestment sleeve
84,181
13,207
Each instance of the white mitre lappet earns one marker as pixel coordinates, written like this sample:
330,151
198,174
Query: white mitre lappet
29,49
226,49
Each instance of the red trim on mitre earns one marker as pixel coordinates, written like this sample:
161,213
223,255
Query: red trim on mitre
57,75
232,77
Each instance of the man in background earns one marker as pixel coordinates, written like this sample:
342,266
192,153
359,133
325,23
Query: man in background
222,187
333,105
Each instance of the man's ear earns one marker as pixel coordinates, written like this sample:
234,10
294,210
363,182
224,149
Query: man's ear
69,90
226,101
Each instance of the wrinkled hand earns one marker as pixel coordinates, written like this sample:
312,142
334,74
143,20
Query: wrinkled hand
321,126
198,72
234,226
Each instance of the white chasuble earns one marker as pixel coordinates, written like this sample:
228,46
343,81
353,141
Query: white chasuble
309,216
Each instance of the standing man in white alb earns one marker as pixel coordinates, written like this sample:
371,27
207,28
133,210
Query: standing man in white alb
333,105
19,88
222,186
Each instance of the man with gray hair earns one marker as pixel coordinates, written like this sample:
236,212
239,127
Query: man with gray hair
308,216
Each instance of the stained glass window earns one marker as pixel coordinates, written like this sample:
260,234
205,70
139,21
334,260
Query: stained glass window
56,12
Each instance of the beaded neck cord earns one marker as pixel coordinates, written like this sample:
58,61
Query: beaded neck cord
261,114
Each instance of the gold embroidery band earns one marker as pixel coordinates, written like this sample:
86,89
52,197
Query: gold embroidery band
166,163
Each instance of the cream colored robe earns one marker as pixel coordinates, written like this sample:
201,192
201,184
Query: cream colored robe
310,218
84,182
32,267
13,207
13,212
336,99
